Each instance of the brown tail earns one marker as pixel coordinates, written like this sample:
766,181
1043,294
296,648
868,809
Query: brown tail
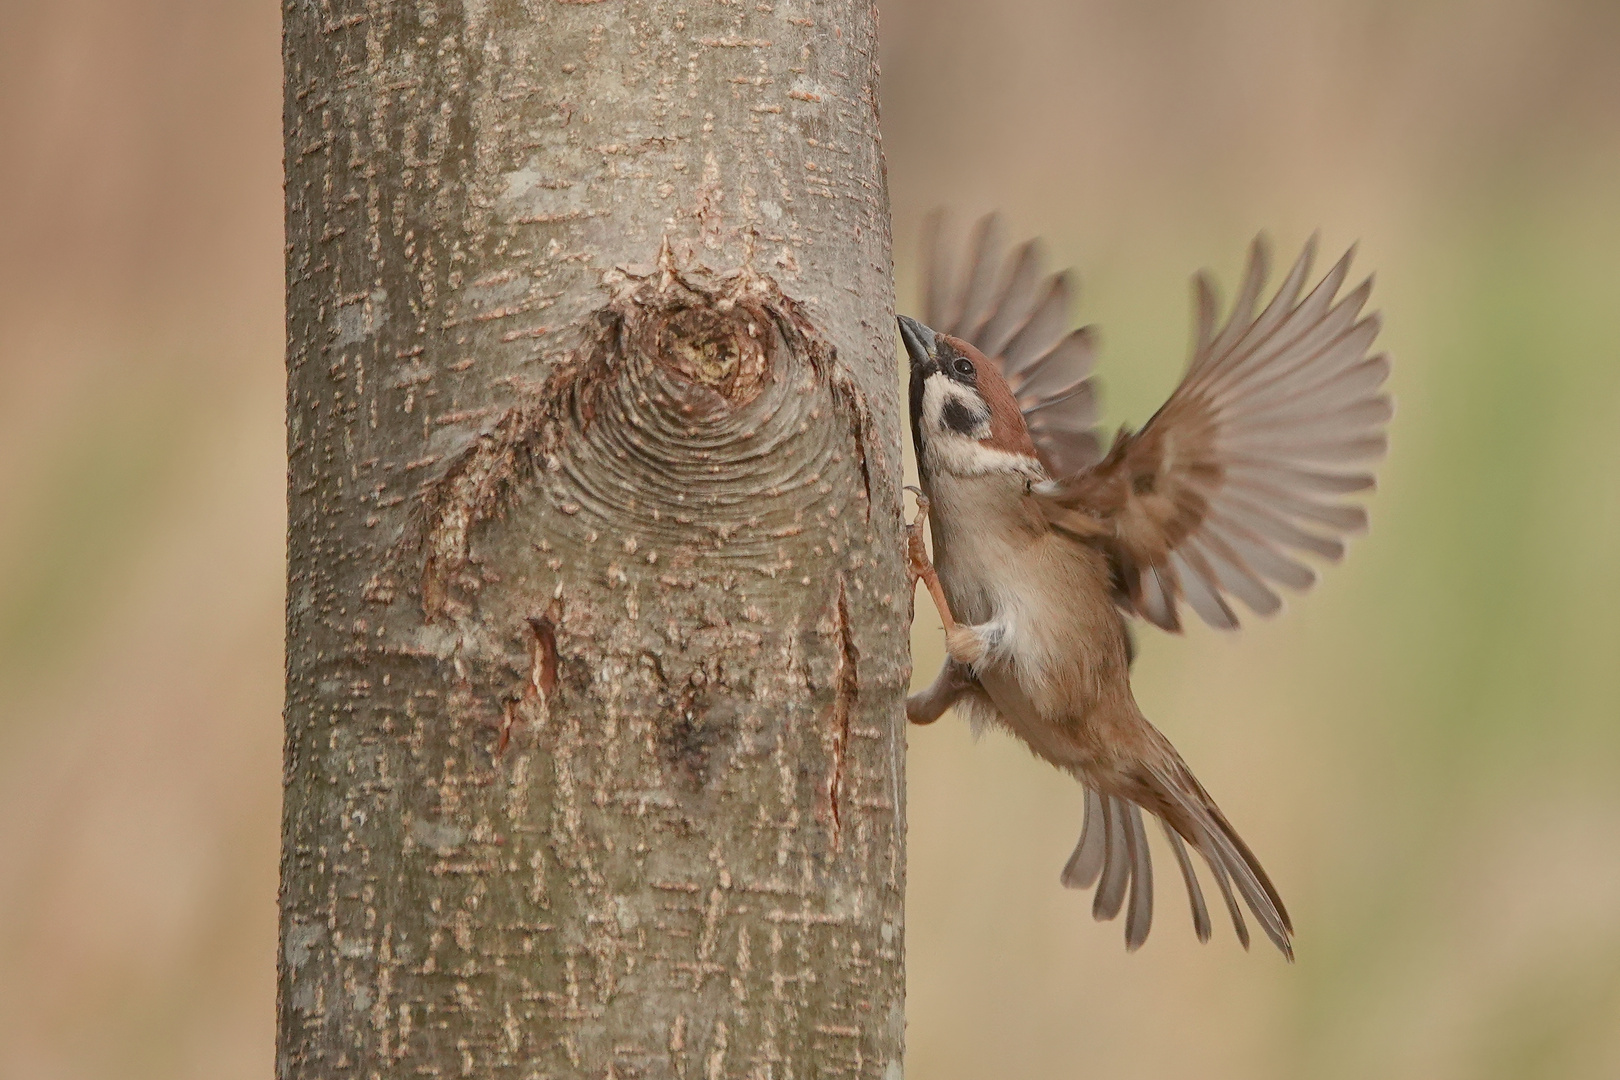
1113,853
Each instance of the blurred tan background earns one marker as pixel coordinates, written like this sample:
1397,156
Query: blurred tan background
1425,751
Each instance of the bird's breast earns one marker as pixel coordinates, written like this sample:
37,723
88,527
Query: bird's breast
985,530
1062,641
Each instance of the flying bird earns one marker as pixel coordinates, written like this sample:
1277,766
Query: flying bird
1046,547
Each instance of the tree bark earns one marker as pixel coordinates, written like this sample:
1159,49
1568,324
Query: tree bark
596,621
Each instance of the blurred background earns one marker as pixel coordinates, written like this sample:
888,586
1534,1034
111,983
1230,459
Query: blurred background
1425,751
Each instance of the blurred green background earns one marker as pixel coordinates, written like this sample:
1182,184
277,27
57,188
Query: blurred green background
1425,751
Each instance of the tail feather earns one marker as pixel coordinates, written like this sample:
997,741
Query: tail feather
1116,875
1195,894
1227,854
1113,853
1273,899
1224,880
1139,917
1087,861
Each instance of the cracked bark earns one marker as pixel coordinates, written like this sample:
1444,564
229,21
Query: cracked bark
596,610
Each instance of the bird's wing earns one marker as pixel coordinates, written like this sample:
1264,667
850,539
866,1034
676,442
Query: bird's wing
1280,414
1011,311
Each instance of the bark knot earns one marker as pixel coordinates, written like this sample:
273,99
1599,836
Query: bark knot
718,350
658,421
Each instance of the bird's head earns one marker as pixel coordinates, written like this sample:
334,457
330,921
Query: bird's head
964,419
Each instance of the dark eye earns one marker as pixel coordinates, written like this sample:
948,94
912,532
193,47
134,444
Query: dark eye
963,367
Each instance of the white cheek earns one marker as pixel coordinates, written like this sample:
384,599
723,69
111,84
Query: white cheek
947,450
936,392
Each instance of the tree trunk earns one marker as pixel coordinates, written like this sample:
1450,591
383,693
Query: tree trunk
596,623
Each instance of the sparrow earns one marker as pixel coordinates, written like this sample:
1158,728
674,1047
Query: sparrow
1045,547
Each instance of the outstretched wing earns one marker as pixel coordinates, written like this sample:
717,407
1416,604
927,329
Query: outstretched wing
1013,313
1242,469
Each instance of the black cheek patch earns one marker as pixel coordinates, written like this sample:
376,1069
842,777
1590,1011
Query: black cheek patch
960,418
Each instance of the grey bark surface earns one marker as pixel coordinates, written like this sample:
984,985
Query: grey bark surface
596,624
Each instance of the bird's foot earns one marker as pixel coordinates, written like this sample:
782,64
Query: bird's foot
918,566
920,709
949,686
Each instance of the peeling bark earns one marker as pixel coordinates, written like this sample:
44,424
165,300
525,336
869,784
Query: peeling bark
596,613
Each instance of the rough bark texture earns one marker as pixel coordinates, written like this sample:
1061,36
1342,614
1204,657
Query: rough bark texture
596,610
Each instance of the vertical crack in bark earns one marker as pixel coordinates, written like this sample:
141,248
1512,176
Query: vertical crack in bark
542,680
862,422
543,669
846,685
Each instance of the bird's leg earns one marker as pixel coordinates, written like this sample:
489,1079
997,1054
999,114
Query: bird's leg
918,566
953,681
964,644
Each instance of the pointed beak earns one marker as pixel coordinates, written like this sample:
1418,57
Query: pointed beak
919,341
